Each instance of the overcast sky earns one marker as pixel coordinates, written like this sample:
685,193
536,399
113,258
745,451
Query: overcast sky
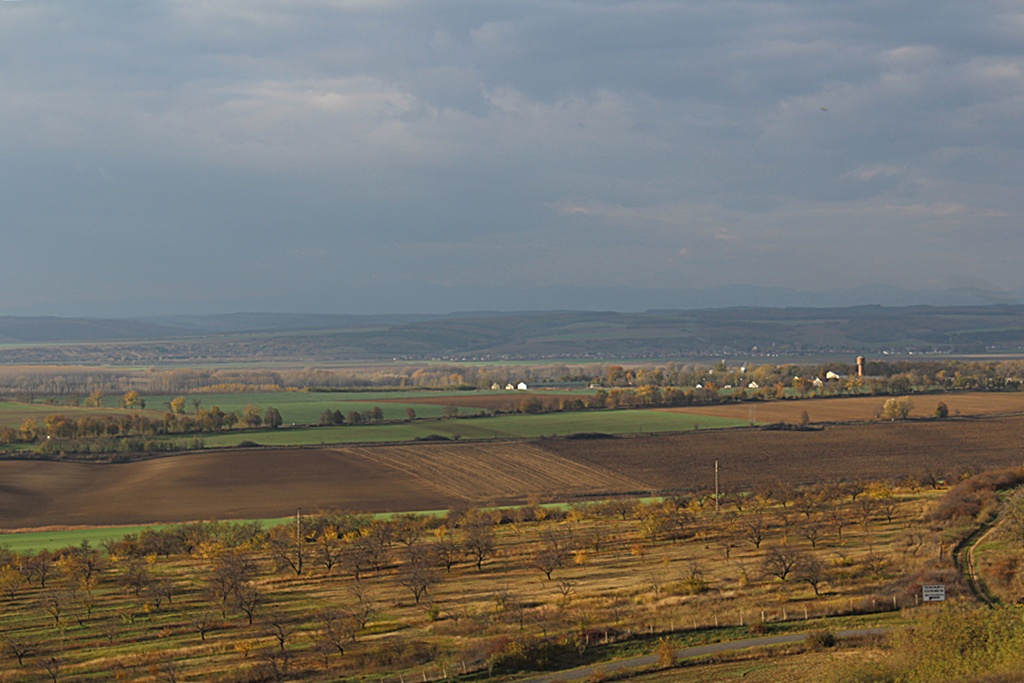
383,155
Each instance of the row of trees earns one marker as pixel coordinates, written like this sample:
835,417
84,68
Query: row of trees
63,428
373,416
893,377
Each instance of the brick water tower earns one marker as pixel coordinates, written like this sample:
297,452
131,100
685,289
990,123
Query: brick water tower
860,366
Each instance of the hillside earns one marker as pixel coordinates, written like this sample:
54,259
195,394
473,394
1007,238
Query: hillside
723,332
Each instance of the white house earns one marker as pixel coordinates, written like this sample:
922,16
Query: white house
522,386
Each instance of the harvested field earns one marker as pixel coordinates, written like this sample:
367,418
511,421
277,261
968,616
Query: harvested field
854,451
267,483
501,471
223,485
274,482
856,408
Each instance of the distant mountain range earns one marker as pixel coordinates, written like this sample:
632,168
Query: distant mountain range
632,299
748,331
393,298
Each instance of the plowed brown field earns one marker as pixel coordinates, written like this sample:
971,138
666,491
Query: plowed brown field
505,470
852,451
268,483
849,409
220,485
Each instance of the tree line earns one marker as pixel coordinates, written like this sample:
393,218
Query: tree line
883,377
88,433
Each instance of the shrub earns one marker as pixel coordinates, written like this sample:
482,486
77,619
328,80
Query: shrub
525,652
666,652
433,437
967,498
820,640
897,408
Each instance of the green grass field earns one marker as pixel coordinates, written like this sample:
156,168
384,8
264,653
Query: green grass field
35,541
497,427
299,407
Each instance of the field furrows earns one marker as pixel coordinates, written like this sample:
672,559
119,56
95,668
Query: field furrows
490,471
888,450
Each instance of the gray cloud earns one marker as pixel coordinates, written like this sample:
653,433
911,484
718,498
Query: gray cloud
198,155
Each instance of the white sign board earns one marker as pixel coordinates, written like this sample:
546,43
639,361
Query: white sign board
933,592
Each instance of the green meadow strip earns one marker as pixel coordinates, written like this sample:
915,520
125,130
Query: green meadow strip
497,427
37,541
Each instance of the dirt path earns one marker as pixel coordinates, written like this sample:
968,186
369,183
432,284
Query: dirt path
597,671
968,568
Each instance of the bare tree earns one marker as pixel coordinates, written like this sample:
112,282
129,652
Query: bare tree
549,558
11,581
232,570
837,518
408,528
866,509
876,562
808,502
910,541
40,567
416,573
280,628
780,560
355,557
158,590
136,576
52,666
376,541
249,600
888,506
364,607
446,549
55,602
202,622
786,521
168,670
754,527
328,548
812,571
17,646
479,541
336,628
285,543
813,529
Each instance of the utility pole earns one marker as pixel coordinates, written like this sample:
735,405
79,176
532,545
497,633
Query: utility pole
298,541
716,487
